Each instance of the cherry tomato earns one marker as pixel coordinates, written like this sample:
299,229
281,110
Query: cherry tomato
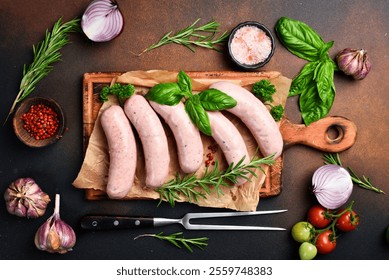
325,242
348,221
317,217
301,231
307,251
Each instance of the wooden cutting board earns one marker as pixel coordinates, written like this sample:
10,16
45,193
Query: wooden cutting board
331,134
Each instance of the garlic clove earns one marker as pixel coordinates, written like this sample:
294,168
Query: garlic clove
55,236
24,198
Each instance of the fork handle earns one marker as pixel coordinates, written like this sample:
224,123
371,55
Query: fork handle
115,222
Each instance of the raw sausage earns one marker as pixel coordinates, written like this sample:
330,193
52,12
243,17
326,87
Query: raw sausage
255,116
229,139
153,138
187,136
122,151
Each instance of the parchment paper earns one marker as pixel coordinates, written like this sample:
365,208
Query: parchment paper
94,170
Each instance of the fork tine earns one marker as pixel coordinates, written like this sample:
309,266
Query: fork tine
230,214
228,227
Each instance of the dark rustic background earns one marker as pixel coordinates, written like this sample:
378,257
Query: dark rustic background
355,24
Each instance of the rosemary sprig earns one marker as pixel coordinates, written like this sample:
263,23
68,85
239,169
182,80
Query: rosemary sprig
192,187
45,54
192,36
178,238
365,182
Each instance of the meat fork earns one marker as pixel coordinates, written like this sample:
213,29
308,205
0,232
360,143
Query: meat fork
125,222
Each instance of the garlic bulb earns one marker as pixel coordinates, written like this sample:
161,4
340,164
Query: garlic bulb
332,186
55,236
354,62
24,198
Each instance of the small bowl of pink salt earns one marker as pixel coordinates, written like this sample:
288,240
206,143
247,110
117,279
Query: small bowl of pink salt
251,45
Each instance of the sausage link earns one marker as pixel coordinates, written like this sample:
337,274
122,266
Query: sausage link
187,136
122,151
255,116
229,139
153,138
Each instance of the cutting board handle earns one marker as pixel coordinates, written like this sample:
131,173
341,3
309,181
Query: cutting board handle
330,134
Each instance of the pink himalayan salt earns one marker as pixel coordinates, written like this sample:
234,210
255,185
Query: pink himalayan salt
250,45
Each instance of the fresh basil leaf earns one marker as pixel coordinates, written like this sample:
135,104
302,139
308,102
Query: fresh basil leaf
303,78
324,77
215,100
299,38
185,83
312,107
165,93
198,115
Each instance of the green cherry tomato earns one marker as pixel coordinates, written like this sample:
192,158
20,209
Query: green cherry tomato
301,232
307,251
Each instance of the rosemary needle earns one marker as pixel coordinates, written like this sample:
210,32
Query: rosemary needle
192,36
193,188
177,238
45,54
364,182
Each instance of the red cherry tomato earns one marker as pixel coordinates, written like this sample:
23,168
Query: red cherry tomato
325,242
348,221
317,217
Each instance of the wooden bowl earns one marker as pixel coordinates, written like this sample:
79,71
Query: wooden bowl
24,135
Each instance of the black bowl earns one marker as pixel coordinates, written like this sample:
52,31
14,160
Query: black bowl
261,27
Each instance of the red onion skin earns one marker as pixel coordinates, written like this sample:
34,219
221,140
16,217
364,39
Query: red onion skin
102,21
354,62
324,181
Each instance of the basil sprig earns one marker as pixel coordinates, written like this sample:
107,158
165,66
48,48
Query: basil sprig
196,105
315,82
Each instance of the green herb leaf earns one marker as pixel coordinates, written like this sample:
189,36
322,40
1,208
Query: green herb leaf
277,112
198,115
324,77
312,106
122,92
165,93
299,38
185,83
215,100
301,81
264,90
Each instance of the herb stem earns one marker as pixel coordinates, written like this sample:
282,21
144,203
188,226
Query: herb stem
177,238
365,182
194,188
201,36
45,54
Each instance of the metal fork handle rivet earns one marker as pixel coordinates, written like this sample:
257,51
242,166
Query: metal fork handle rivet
137,222
116,223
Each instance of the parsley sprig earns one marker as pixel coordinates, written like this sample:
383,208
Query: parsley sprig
193,188
363,182
193,36
122,92
178,240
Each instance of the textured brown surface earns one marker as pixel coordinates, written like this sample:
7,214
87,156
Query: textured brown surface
357,24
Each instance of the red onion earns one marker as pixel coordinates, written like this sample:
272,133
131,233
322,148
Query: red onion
354,62
332,186
102,20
